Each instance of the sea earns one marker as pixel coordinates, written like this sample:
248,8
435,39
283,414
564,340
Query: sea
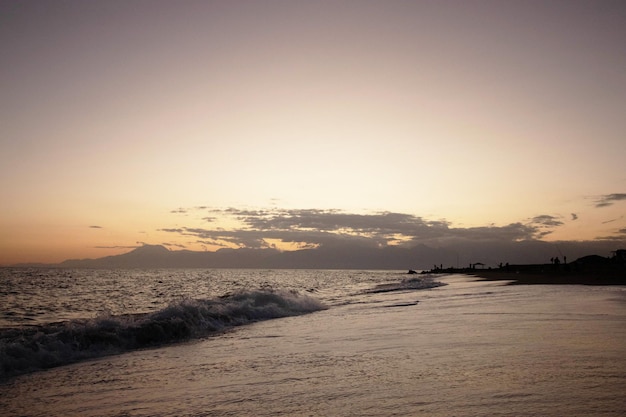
247,342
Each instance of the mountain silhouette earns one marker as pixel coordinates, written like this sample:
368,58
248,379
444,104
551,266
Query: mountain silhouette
346,256
157,256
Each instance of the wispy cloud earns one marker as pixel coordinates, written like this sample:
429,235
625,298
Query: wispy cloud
175,245
544,224
95,227
547,220
609,199
618,234
116,247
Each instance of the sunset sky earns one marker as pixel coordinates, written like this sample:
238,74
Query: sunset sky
208,124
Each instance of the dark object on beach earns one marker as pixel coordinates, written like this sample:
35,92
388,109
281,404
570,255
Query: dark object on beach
411,271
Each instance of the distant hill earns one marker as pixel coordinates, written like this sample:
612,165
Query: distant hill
157,256
349,256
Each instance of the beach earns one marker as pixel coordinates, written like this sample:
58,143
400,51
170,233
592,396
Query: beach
548,276
232,208
468,348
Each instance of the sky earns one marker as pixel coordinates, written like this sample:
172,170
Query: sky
209,124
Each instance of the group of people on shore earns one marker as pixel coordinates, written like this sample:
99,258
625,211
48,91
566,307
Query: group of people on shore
557,261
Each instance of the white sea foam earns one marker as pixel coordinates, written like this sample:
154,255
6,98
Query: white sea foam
413,283
54,344
56,317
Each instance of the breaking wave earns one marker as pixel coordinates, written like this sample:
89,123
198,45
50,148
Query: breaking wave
414,283
39,347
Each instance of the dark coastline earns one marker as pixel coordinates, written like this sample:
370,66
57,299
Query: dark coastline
546,274
522,277
588,270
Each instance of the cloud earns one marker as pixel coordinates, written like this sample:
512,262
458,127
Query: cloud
183,210
609,199
176,245
172,230
306,228
115,247
210,242
547,220
542,225
618,234
619,239
95,227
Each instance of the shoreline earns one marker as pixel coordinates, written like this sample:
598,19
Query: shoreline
551,277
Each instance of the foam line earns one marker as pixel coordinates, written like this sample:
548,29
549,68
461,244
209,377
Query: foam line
40,347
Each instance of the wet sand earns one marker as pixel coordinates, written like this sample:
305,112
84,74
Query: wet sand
520,276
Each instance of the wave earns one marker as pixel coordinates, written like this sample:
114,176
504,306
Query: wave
40,347
413,283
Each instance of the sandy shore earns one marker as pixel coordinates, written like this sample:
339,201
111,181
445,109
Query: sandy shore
552,277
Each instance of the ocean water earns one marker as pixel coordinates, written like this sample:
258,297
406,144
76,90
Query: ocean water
306,342
54,317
